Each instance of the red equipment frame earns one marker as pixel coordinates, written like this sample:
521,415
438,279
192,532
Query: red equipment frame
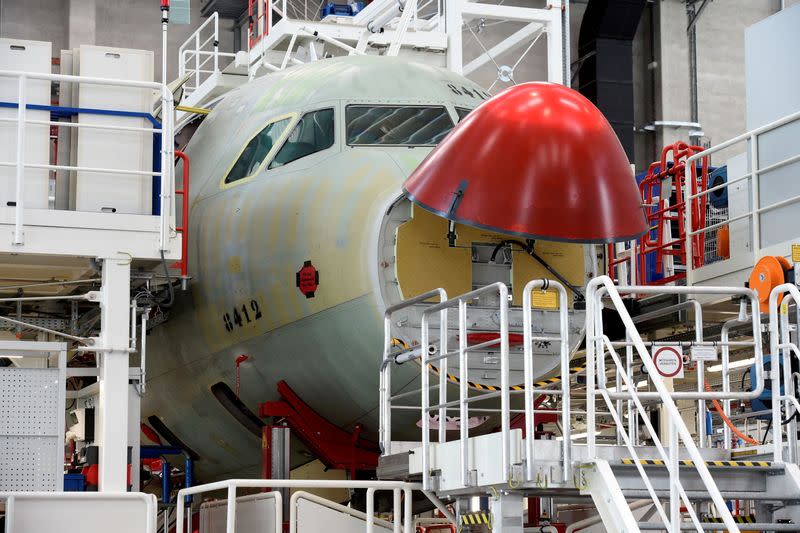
658,214
183,229
252,39
334,446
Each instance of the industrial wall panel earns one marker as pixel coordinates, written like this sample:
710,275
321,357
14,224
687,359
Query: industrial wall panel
26,56
253,513
30,463
31,442
80,512
772,77
124,150
29,401
313,518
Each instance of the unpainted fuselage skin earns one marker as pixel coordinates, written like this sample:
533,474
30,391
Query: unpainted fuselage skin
248,240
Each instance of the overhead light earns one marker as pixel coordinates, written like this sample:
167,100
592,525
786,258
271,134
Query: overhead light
735,364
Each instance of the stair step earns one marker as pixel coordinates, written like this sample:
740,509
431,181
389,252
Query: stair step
760,465
714,526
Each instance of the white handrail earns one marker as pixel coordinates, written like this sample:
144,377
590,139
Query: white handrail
566,423
385,387
505,416
69,78
231,485
751,297
193,47
594,345
669,459
756,209
775,348
167,172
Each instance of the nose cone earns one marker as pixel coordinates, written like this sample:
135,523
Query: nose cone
538,160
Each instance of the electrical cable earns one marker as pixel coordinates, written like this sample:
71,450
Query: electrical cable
169,302
766,433
744,375
734,429
528,249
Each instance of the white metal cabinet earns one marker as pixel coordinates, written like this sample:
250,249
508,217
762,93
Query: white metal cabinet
113,149
27,56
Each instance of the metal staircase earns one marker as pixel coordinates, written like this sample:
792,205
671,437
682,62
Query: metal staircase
640,475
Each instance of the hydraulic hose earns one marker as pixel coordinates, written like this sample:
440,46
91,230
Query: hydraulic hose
734,429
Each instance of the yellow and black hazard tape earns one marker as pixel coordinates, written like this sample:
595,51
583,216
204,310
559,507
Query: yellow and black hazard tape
749,519
481,386
478,518
732,464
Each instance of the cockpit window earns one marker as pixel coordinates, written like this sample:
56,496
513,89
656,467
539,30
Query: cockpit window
462,112
313,133
396,125
256,151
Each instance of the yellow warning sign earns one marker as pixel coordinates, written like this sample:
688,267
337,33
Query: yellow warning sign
796,253
545,300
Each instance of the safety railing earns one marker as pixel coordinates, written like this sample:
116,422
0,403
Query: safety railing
183,228
162,171
530,391
389,358
782,350
658,257
423,14
723,345
745,206
598,345
200,48
402,515
464,399
437,358
259,13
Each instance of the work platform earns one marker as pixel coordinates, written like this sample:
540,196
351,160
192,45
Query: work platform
75,222
281,36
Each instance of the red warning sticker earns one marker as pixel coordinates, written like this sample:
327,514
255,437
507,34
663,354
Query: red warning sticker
307,279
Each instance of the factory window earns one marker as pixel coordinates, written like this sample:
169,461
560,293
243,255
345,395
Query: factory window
256,151
462,112
313,133
396,125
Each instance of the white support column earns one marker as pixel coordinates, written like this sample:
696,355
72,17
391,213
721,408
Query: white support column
453,23
134,434
507,511
555,45
113,399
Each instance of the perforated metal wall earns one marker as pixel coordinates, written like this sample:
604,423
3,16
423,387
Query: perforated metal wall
31,444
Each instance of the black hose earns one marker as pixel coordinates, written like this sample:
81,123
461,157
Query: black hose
169,302
528,249
783,421
744,375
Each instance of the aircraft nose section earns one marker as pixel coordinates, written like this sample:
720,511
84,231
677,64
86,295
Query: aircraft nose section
538,160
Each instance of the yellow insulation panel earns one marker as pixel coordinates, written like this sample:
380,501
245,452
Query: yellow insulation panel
425,261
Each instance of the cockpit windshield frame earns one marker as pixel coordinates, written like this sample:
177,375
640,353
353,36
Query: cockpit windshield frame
438,106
